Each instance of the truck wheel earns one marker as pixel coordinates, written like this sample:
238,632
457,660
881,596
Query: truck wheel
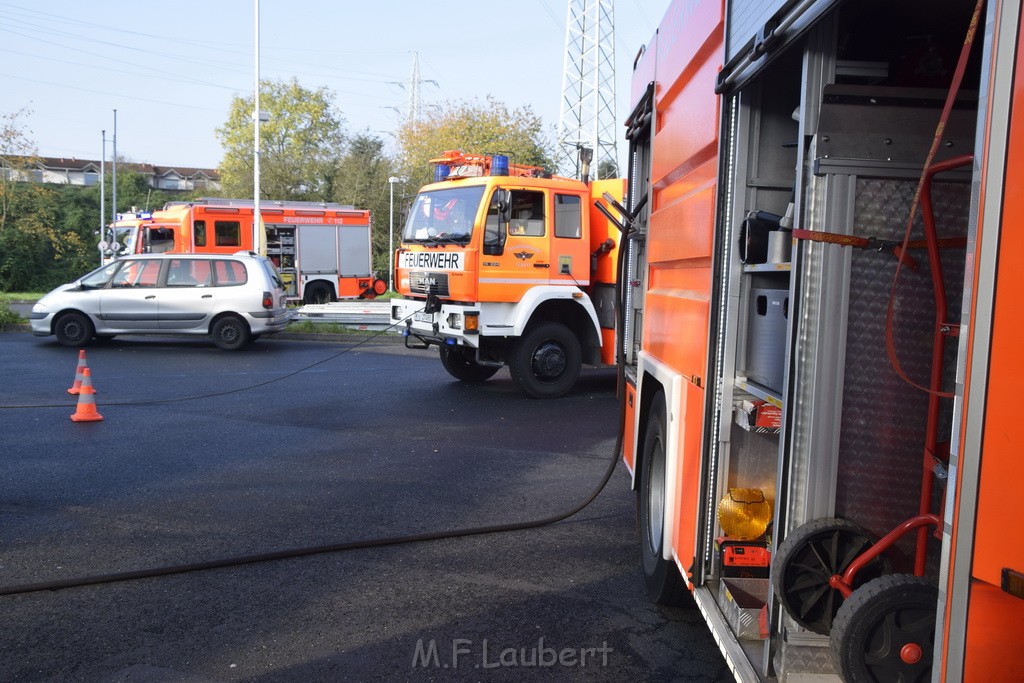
665,586
318,293
885,631
546,361
809,557
74,329
460,364
230,333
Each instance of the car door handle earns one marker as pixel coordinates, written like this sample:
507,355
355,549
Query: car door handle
207,296
151,296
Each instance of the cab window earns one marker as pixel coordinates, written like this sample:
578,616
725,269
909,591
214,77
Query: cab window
526,213
199,233
568,217
227,233
141,273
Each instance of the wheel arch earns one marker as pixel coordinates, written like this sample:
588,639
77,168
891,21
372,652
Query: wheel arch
226,314
320,283
573,315
61,313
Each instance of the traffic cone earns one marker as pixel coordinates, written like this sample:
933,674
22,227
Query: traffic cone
77,386
86,409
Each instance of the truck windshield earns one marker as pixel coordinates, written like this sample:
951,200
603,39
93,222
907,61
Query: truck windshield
443,216
125,237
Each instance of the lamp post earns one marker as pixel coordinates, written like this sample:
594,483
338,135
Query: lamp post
391,235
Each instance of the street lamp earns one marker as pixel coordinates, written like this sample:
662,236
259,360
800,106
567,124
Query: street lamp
391,235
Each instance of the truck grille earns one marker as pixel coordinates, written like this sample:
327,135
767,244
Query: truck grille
422,282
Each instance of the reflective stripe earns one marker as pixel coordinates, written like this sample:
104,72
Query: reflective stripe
521,281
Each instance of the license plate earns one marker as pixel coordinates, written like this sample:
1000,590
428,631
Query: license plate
422,317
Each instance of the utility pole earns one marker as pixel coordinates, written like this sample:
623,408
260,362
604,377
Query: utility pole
257,228
103,192
587,119
113,198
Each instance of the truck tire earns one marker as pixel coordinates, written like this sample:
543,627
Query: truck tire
460,364
885,631
665,586
546,361
74,329
230,333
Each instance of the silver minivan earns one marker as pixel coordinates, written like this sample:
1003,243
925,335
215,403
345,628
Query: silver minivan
232,298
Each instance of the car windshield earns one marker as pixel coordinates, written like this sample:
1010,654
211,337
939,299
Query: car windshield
443,216
99,277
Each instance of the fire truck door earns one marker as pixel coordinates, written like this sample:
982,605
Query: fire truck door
570,262
525,259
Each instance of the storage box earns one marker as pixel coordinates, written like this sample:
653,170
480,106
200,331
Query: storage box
766,337
742,602
758,416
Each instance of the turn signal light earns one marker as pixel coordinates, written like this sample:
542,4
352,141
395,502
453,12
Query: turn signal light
472,321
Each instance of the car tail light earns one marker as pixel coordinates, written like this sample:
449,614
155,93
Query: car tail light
268,300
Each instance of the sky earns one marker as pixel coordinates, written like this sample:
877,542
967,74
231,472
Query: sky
171,69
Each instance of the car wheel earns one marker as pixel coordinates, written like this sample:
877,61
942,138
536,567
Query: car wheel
74,329
665,586
230,333
546,361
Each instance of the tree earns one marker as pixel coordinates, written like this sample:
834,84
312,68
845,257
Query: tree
300,144
360,178
18,157
487,127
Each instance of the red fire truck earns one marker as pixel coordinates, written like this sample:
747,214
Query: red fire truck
818,333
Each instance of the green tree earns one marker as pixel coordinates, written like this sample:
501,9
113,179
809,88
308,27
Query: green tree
487,127
361,179
18,157
300,144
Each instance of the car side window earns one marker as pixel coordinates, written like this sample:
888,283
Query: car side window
188,273
140,273
229,273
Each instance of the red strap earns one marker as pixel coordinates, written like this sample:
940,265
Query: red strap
958,75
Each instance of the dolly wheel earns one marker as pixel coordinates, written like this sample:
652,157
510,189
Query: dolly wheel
809,557
885,631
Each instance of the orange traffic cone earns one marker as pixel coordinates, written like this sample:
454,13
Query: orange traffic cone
86,409
77,386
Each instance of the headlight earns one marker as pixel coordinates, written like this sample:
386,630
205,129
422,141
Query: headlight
39,308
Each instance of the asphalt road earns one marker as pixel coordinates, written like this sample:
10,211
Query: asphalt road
309,448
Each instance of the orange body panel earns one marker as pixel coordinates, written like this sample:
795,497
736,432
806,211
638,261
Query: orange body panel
629,434
995,618
681,233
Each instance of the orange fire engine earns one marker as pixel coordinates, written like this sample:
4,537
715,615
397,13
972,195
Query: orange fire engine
321,249
502,264
819,333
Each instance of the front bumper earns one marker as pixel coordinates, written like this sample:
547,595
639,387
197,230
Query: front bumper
441,327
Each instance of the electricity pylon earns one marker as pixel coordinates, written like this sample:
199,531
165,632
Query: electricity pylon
587,118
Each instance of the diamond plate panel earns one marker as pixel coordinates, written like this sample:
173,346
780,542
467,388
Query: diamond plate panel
884,418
